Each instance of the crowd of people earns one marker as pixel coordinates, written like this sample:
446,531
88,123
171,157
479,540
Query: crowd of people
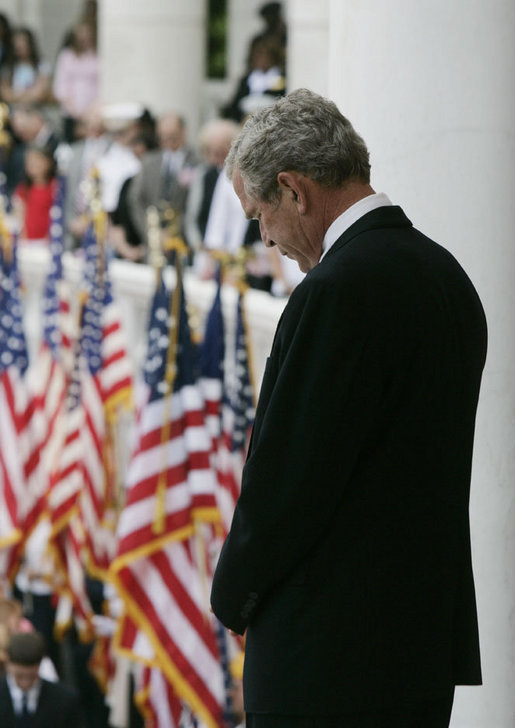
56,125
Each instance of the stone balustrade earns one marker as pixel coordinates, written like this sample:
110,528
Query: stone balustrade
133,287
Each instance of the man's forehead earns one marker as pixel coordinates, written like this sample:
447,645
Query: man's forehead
237,182
19,669
247,202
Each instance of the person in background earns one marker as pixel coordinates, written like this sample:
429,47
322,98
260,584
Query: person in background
76,78
123,122
12,622
35,589
26,699
165,174
6,46
26,80
214,142
123,234
29,126
262,83
84,156
34,197
88,14
275,28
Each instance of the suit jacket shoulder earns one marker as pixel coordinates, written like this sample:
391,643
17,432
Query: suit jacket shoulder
7,718
59,706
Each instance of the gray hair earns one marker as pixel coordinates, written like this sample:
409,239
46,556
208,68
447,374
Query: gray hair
217,129
302,132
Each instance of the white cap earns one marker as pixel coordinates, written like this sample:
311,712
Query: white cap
117,116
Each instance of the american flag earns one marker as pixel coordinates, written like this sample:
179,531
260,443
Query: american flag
117,376
61,349
66,483
233,388
83,496
47,376
13,407
237,418
106,382
156,699
212,356
171,486
27,492
74,606
66,475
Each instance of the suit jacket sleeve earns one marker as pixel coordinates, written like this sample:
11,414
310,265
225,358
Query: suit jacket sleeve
137,204
318,406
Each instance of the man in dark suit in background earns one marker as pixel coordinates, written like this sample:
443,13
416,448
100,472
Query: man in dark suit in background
27,701
348,561
165,175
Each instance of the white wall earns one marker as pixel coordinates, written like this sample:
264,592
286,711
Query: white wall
308,46
430,87
153,52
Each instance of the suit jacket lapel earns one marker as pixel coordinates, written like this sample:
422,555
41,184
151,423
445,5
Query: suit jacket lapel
39,716
6,706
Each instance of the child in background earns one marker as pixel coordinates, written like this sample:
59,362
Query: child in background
34,197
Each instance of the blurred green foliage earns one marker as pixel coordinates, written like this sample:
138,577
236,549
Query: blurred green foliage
216,39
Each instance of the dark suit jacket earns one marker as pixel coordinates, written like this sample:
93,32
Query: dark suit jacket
348,560
58,707
147,187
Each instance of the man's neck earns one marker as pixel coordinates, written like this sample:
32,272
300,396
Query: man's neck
340,199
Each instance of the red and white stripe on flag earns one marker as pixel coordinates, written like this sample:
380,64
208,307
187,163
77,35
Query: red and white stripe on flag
11,472
20,474
157,570
96,502
74,604
182,460
116,374
156,699
165,599
102,395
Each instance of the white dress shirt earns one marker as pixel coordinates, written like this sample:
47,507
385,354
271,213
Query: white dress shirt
350,216
17,695
227,223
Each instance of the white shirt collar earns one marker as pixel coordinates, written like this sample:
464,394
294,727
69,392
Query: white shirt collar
350,216
174,160
17,695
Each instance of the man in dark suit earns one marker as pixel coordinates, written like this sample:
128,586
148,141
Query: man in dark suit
348,560
165,175
27,701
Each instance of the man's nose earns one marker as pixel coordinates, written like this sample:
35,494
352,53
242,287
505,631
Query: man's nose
264,236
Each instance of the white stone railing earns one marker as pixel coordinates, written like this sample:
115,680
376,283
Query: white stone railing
133,287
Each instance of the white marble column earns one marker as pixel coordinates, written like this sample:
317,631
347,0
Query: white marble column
11,8
430,87
308,47
153,52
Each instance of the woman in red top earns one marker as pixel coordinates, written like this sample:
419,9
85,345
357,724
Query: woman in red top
34,197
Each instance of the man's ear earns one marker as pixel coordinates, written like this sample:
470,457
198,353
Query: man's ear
294,185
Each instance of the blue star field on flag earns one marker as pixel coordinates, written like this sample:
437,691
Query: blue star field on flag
239,396
212,351
94,283
51,304
160,329
157,342
13,345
